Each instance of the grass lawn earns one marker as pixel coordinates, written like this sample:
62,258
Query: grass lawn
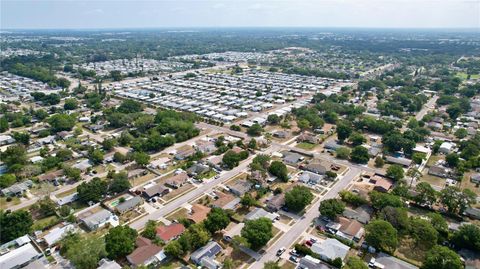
4,204
177,214
177,192
433,159
288,265
208,174
306,146
172,264
66,193
433,180
409,252
142,179
467,184
44,223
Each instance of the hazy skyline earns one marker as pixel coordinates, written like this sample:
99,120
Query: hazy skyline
65,14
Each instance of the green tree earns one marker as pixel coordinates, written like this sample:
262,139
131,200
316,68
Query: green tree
331,208
247,200
344,130
130,106
83,252
64,154
438,222
357,139
23,137
343,152
380,200
217,220
6,180
70,104
252,144
119,183
150,230
303,124
359,155
298,198
120,241
46,207
455,200
273,119
395,172
255,130
14,155
95,156
257,232
92,191
423,233
3,124
62,122
379,162
440,257
355,263
174,249
279,169
14,224
425,194
381,235
197,236
452,160
461,133
468,236
72,172
396,216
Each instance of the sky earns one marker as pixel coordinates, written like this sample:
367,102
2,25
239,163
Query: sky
91,14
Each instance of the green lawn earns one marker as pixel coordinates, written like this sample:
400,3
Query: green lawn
306,146
41,224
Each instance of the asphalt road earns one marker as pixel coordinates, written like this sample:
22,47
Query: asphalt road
298,228
185,198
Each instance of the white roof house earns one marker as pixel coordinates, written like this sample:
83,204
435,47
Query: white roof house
57,234
330,249
446,147
19,257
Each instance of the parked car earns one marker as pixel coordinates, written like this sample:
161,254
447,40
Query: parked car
281,251
294,259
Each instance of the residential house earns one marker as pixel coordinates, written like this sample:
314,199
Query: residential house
292,158
154,190
308,137
330,249
198,213
206,147
99,219
362,213
205,256
6,140
475,178
146,253
260,213
128,205
17,189
225,200
56,234
184,153
439,171
446,148
52,176
309,177
309,262
240,187
382,184
391,262
276,202
332,145
197,169
108,264
19,253
170,232
64,135
473,213
67,199
136,173
177,180
316,168
350,229
399,160
281,134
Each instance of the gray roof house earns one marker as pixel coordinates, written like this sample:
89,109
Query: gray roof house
309,177
292,157
309,262
240,187
99,219
260,213
316,168
129,204
391,262
330,249
401,161
205,256
17,189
